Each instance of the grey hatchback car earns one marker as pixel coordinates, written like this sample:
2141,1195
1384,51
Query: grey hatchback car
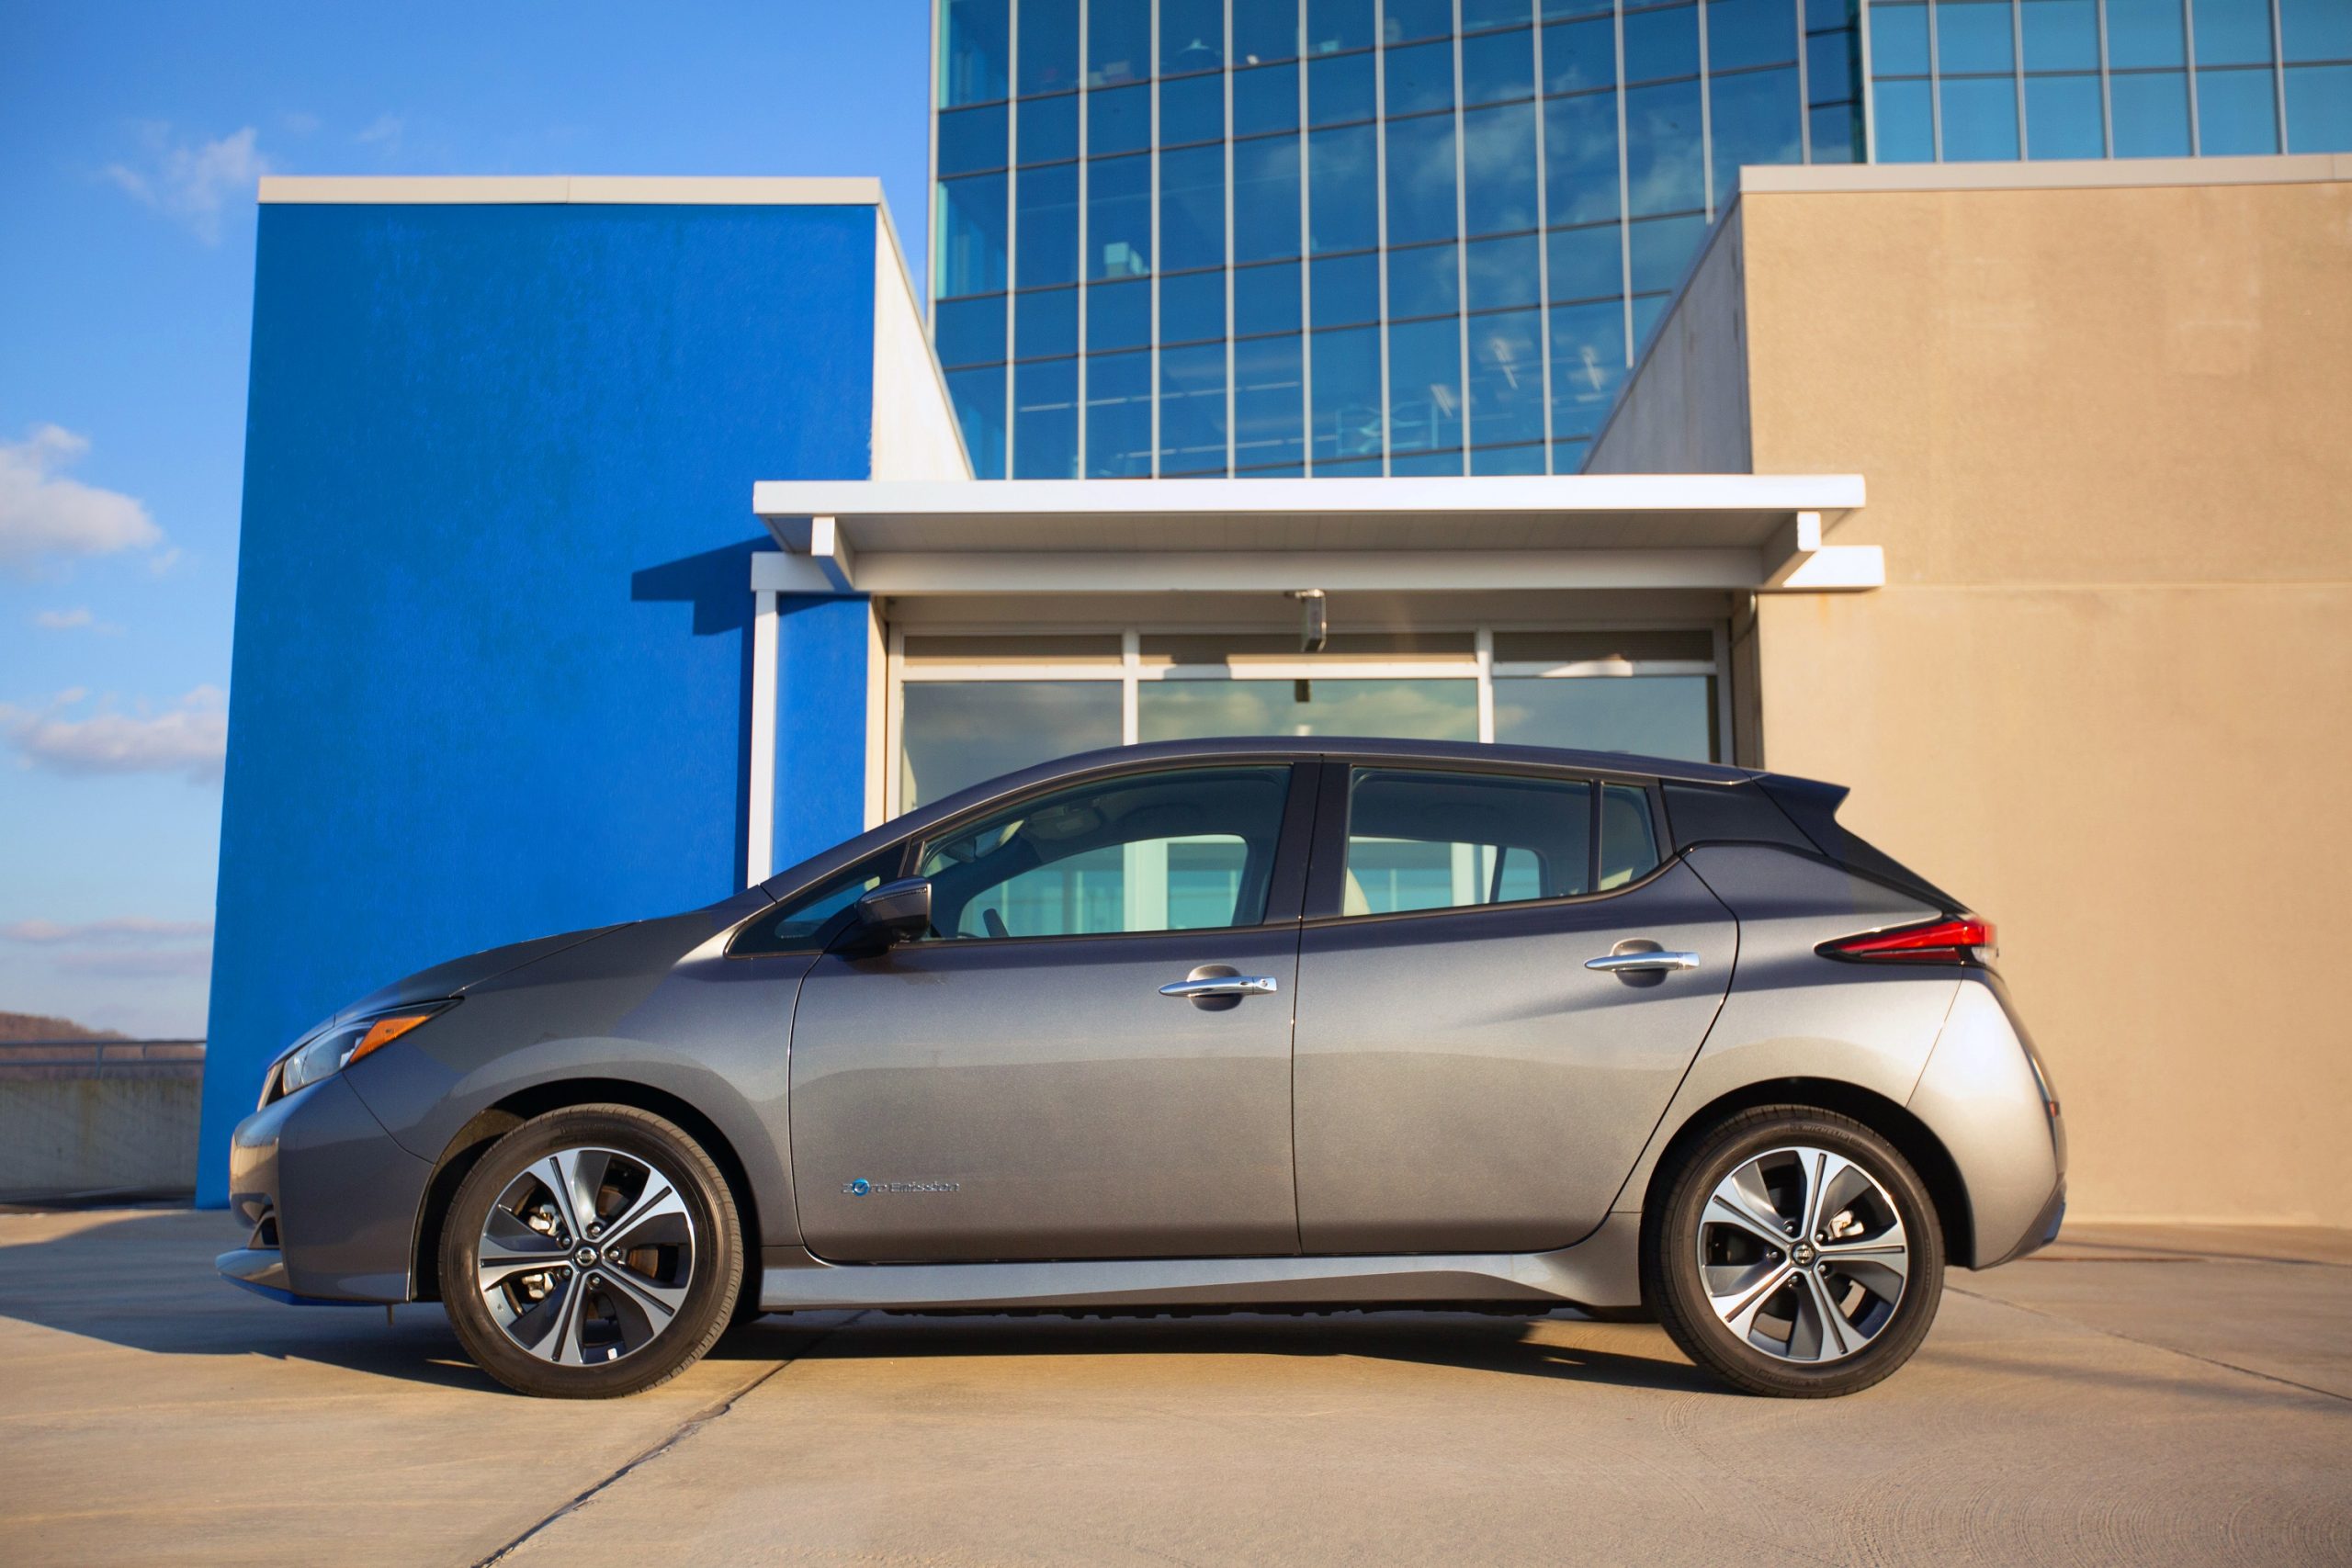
1245,1025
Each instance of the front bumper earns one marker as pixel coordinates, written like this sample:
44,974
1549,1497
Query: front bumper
330,1200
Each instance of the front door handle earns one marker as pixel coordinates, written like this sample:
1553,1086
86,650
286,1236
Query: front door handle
1222,986
1652,962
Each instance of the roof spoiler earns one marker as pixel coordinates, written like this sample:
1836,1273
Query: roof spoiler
1812,804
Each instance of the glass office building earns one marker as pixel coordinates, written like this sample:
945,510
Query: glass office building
1286,237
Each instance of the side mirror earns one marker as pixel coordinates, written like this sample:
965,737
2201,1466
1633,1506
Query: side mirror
895,912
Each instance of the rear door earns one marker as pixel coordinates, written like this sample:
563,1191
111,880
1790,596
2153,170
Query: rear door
1019,1085
1465,1082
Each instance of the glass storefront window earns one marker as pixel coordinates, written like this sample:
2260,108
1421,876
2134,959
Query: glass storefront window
959,733
1657,715
1423,710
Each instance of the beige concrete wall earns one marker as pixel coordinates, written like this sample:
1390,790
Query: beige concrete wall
2107,692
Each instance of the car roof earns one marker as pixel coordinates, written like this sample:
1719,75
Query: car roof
1215,747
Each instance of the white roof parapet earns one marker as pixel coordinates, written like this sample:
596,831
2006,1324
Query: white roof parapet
1743,532
602,190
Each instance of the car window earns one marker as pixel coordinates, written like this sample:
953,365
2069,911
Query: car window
1187,849
1449,841
1628,842
799,924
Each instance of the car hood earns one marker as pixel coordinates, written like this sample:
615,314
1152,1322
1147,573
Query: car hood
459,976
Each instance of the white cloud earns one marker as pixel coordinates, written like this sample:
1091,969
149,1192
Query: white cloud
115,931
191,737
194,182
154,963
78,618
44,513
383,133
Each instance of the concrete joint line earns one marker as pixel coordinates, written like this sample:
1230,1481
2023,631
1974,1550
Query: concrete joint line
2148,1345
684,1429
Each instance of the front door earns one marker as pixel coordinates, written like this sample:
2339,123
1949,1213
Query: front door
1465,1083
1017,1085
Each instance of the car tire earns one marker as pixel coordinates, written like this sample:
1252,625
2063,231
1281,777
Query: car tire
555,1298
1817,1315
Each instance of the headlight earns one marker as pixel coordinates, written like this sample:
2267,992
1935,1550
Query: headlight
338,1047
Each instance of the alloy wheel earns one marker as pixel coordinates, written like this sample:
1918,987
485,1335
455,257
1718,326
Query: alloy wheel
586,1257
1803,1254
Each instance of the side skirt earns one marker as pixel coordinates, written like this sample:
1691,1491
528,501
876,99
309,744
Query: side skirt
1601,1270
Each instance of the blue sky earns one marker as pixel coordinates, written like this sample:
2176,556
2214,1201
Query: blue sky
130,138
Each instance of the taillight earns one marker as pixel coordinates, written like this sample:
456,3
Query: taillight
1963,939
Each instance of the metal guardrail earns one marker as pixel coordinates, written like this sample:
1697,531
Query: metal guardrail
30,1060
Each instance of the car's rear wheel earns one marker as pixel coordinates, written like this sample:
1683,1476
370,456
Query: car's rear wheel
1796,1254
591,1252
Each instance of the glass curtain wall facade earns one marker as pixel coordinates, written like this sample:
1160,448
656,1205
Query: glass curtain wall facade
1285,237
1964,80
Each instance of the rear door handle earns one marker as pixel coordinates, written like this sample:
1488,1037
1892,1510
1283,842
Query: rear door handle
1642,962
1223,986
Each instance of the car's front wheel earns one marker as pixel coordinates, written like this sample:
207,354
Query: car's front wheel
591,1252
1796,1254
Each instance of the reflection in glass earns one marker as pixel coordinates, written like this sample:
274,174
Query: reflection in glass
1833,66
1502,273
1741,33
1346,390
1192,37
969,331
2231,33
1334,25
1755,116
972,235
1118,119
1344,291
973,53
1048,53
1424,280
2144,32
1420,179
1344,210
1898,41
1118,216
1580,159
1652,716
1579,56
1506,378
2060,35
972,139
1191,109
1045,419
1405,20
1045,324
1588,263
1192,307
1661,44
1118,41
1498,68
1266,300
1980,117
1406,464
1507,459
2062,117
1264,32
1498,168
1265,199
1587,363
1269,402
1119,315
1424,385
1662,249
1837,133
1339,89
979,396
960,733
2319,109
2236,110
2316,29
2150,114
1407,710
1046,130
1973,35
1265,99
1662,167
1047,251
1420,79
1118,415
1191,208
1192,410
1477,13
1906,129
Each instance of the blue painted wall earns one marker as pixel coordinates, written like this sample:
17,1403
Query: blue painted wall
492,666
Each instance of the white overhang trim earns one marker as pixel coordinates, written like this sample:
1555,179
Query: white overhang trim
1758,533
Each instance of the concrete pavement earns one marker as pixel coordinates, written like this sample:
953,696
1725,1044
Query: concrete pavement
2137,1396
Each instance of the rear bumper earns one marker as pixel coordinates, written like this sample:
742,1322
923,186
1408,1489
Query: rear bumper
329,1199
2044,1231
1982,1097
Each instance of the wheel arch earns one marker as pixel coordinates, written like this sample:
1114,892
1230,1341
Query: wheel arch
494,1122
1913,1139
